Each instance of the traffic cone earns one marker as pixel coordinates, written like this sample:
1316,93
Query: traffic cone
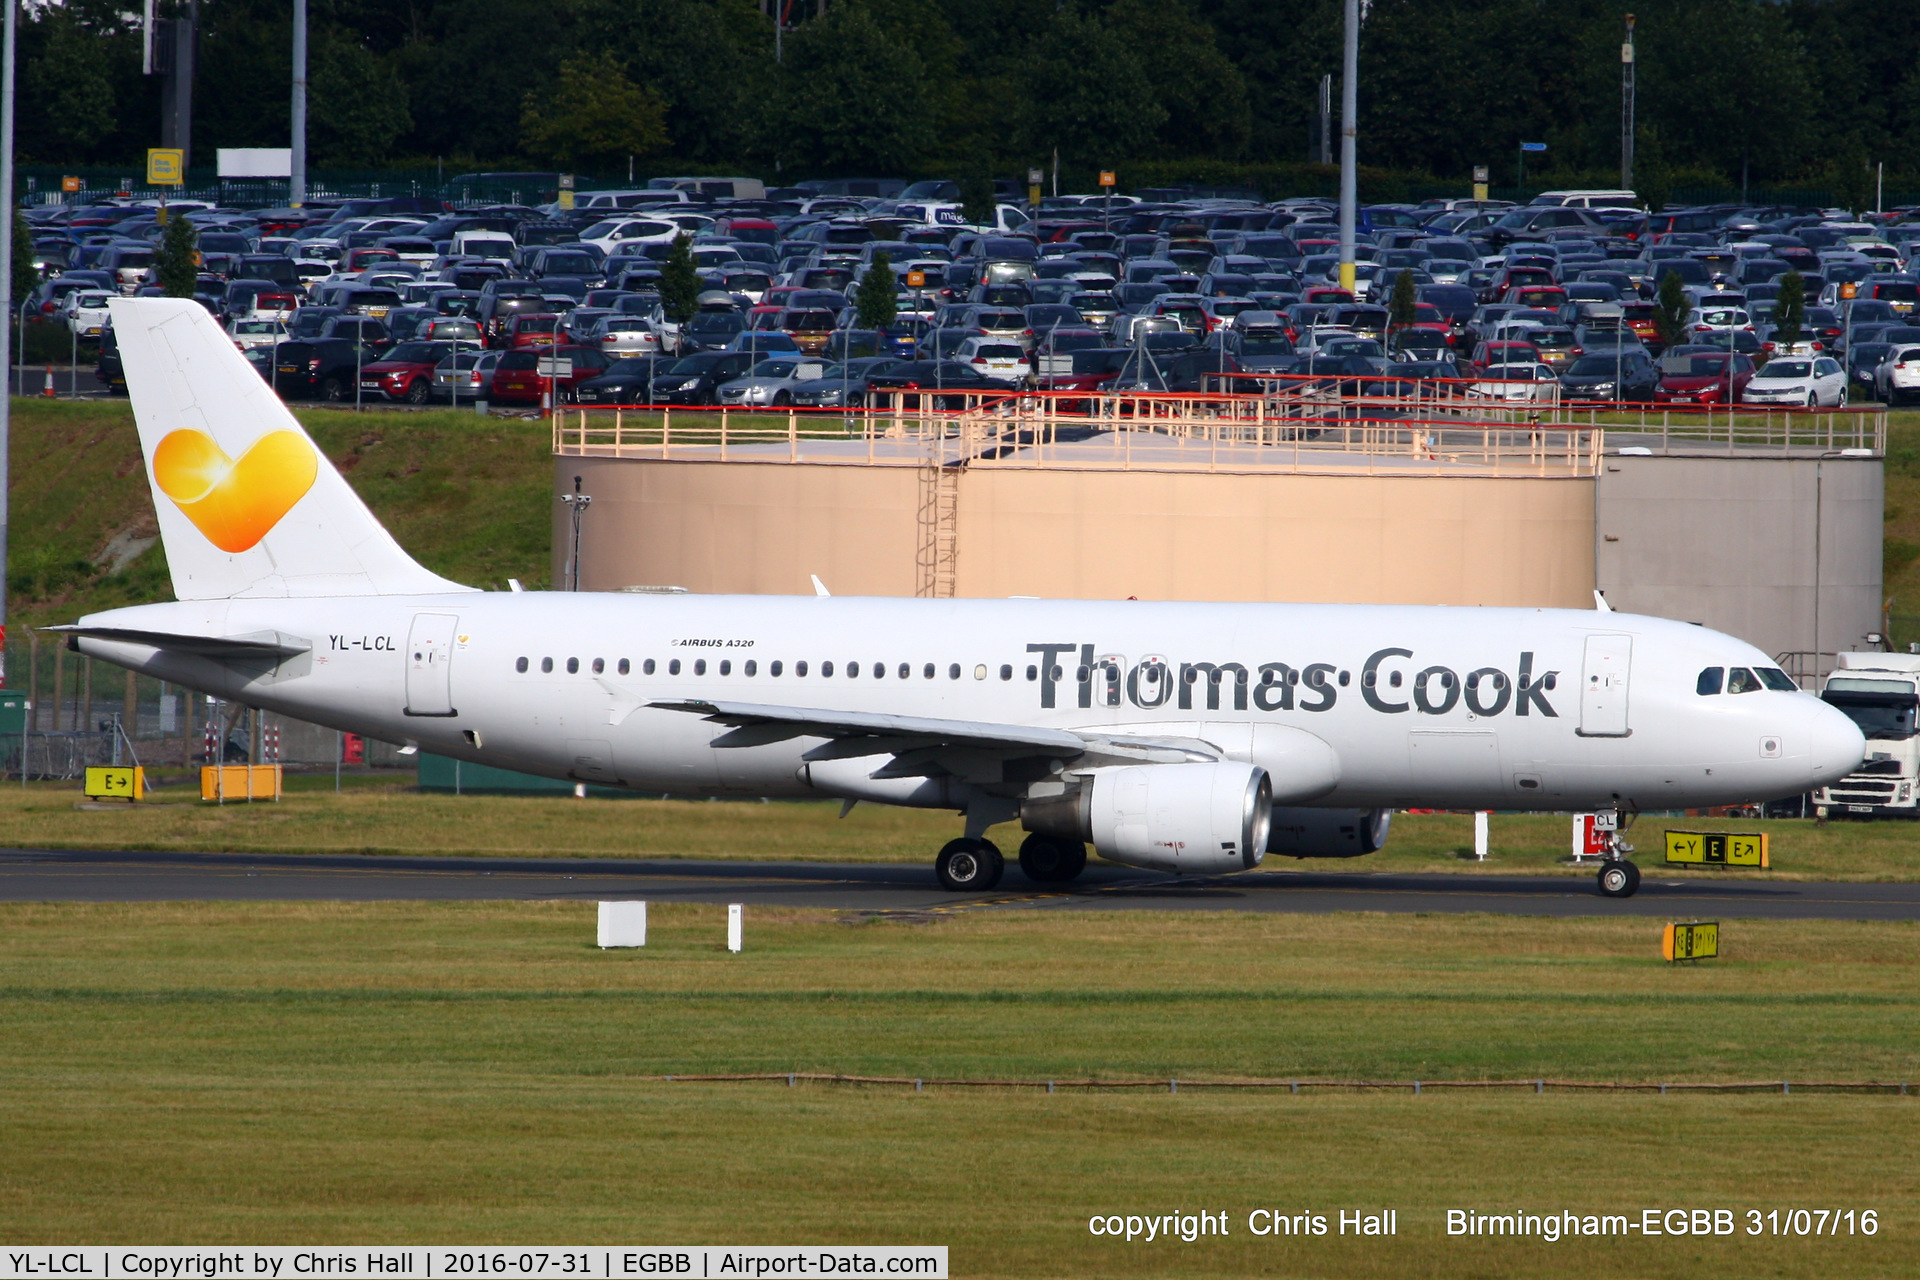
47,390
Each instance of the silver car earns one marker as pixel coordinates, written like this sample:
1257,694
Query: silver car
771,382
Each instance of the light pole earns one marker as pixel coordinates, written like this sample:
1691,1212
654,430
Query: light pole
1349,109
1626,109
297,181
576,507
6,291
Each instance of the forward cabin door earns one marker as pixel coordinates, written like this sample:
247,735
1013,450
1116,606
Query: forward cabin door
430,664
1603,687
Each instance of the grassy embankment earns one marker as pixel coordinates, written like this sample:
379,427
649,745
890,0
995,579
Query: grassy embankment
389,818
364,1073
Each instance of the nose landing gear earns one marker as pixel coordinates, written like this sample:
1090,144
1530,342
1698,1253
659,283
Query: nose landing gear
1618,877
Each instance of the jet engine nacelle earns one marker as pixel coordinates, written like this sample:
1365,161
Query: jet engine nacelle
1328,833
1200,819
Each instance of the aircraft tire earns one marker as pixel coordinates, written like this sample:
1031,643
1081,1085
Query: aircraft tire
1619,879
1046,859
969,866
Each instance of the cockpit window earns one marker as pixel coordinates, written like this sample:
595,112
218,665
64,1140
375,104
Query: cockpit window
1778,680
1709,682
1741,680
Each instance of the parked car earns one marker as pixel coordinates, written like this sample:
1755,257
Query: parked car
313,369
1809,381
770,382
405,373
1896,379
521,377
696,378
1601,377
465,375
1696,376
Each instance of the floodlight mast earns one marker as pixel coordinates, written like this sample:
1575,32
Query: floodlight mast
1349,109
6,292
1626,109
297,182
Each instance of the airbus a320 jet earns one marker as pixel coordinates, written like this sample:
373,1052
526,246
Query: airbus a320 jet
1180,737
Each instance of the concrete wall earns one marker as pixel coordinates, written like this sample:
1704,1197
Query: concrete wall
763,528
1731,543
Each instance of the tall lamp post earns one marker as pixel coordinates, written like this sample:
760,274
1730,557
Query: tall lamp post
1626,109
297,182
6,292
1349,109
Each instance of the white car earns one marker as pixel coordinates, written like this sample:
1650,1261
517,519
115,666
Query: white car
995,358
1897,380
248,334
1722,318
86,311
1517,383
608,235
627,336
1810,381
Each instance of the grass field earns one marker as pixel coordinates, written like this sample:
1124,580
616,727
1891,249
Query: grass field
476,1072
376,816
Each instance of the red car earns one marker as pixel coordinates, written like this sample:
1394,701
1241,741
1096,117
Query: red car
539,329
1698,377
1488,354
518,378
406,372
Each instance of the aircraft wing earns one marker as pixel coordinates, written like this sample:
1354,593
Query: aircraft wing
258,644
870,733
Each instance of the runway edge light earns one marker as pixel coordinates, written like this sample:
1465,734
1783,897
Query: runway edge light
1693,940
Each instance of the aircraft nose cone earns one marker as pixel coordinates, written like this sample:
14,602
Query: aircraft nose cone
1838,745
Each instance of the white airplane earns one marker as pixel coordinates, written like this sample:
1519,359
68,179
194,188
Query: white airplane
1190,738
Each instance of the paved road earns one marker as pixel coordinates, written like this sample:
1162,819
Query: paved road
39,876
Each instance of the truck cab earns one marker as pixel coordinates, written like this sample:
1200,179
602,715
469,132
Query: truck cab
1880,692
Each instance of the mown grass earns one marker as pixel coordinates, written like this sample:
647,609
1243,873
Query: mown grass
388,817
470,1072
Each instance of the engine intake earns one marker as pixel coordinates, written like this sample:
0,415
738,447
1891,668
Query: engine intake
1200,819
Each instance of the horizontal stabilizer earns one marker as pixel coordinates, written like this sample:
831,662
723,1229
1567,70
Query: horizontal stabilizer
257,644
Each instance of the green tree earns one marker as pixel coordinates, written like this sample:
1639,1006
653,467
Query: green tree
357,104
1085,92
976,201
854,97
679,282
595,115
173,264
876,299
1670,308
24,277
1790,311
1400,312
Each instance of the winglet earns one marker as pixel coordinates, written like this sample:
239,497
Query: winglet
1600,601
819,587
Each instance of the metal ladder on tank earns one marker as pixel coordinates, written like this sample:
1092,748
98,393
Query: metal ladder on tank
939,519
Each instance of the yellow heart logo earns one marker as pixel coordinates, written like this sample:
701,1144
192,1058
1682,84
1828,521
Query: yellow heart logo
234,503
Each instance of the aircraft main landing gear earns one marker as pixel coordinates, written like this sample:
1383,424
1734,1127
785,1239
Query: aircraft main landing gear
1619,878
1048,859
969,865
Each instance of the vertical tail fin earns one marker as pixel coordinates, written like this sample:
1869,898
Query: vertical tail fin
248,505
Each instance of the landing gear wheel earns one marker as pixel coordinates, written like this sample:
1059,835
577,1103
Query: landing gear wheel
969,866
1619,879
1048,859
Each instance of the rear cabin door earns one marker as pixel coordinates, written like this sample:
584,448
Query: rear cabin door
430,664
1603,687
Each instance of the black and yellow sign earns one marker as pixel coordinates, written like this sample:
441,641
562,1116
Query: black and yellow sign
1716,849
115,782
166,166
1696,940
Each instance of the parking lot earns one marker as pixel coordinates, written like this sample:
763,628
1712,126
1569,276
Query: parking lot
723,292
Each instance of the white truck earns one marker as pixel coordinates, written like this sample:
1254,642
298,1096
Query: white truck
1881,692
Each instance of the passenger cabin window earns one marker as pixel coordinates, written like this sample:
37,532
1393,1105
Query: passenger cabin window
1741,680
800,668
853,670
699,666
573,666
953,671
826,669
774,667
906,670
726,668
1709,682
646,668
750,667
520,665
546,666
1006,671
599,665
673,667
625,666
